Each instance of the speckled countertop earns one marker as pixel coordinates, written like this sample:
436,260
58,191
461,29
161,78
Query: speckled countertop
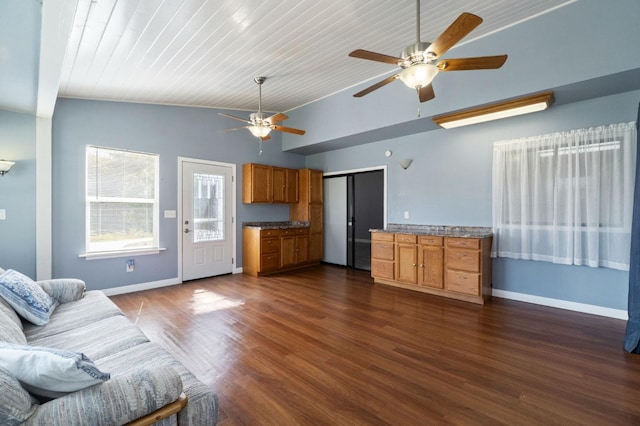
275,225
438,230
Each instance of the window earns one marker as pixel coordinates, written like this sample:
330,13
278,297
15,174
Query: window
566,197
121,201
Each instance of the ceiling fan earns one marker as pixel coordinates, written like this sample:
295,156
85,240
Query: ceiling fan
258,124
418,61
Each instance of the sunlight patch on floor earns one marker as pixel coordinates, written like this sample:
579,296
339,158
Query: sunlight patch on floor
204,301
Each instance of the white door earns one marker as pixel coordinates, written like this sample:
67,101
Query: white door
335,220
207,220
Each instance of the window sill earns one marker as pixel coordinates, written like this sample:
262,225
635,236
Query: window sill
120,253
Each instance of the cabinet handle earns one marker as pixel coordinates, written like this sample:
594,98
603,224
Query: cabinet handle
414,264
422,265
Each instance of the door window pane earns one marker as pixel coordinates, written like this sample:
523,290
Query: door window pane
208,207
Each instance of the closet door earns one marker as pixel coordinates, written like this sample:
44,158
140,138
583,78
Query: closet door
335,220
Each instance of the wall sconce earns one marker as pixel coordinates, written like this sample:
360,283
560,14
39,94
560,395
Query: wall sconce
5,166
496,111
406,163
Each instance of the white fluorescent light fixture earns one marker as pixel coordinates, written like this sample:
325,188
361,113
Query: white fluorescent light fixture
496,111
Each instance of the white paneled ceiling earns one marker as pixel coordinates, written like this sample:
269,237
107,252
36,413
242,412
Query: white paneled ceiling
207,52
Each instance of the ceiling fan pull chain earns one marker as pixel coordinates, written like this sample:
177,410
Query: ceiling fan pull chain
260,144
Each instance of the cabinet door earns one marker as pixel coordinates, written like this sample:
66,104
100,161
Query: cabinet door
287,251
302,248
407,263
315,186
256,183
291,195
279,179
315,218
431,272
315,247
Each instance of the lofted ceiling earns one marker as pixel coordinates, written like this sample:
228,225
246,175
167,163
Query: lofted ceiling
207,52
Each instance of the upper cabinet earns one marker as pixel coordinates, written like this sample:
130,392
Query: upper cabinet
269,184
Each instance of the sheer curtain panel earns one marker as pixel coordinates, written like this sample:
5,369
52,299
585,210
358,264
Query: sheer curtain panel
566,197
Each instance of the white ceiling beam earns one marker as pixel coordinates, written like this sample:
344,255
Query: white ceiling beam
57,21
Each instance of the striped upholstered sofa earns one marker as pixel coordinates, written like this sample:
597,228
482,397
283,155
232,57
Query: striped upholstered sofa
144,384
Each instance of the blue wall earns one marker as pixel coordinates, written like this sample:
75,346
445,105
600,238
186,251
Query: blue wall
449,183
169,131
18,193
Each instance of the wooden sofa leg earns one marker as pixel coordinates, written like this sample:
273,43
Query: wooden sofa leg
162,413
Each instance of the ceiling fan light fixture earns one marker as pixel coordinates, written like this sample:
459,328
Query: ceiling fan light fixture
259,131
418,75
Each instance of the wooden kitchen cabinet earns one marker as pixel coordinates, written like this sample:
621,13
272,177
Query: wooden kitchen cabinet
294,247
431,261
256,183
468,266
309,209
383,255
269,184
454,267
267,251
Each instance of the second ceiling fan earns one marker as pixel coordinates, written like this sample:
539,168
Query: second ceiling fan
418,61
258,123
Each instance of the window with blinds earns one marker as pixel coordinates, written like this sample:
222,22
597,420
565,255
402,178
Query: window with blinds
122,208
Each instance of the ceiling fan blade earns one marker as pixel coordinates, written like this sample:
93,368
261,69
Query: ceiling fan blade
463,25
235,128
479,63
373,56
377,86
288,129
426,93
244,120
277,117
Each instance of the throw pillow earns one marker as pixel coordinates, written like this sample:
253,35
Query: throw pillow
28,299
49,372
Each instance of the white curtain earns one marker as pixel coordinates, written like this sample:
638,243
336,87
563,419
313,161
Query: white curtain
566,197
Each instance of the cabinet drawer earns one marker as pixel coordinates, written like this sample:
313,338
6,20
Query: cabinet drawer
302,231
269,262
406,238
382,269
472,243
463,282
270,233
270,245
430,241
383,251
382,236
466,260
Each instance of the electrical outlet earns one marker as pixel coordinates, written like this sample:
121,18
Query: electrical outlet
131,265
406,215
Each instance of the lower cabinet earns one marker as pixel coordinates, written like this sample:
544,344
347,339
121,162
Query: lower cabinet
267,251
454,267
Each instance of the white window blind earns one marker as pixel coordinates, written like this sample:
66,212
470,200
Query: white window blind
122,207
566,197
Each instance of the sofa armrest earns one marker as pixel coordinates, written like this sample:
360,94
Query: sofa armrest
64,289
117,401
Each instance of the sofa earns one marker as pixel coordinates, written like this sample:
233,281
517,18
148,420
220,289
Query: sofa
131,380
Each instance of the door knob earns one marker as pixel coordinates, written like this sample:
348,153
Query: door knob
186,231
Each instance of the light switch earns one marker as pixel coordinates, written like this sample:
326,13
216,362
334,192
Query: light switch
3,214
169,214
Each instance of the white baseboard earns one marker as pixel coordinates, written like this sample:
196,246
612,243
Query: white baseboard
562,304
142,286
237,270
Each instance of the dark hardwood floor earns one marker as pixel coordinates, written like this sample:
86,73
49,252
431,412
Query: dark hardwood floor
325,346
